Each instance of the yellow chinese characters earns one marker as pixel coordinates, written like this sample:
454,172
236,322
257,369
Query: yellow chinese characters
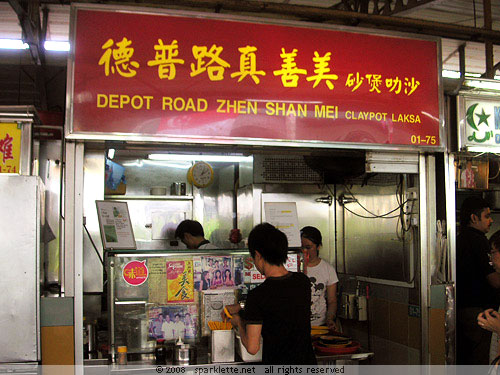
321,70
289,71
375,81
209,60
248,65
135,272
118,59
165,59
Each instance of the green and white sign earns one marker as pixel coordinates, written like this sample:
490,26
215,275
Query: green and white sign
479,123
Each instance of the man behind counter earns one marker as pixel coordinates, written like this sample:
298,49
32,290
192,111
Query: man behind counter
279,308
191,234
476,282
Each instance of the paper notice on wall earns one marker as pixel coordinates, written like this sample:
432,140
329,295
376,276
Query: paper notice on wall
283,215
213,305
157,281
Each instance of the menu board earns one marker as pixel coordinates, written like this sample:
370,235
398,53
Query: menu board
115,226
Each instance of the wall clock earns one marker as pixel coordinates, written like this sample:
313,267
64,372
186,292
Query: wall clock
201,174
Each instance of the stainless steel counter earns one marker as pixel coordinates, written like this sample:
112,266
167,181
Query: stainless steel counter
97,367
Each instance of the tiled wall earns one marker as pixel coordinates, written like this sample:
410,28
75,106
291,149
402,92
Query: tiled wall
390,332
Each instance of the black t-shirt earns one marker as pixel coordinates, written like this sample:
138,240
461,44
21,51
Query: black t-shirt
473,289
283,306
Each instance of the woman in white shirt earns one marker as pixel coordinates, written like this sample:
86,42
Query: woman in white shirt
323,280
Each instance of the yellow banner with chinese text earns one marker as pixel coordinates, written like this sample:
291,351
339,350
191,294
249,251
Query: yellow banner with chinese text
10,147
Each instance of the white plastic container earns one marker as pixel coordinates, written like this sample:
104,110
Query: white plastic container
245,356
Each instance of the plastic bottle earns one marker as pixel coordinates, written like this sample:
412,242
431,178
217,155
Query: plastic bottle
122,355
161,352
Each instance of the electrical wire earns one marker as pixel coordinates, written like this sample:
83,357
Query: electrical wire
95,247
375,216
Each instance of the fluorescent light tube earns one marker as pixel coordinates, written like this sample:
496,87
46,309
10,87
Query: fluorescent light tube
13,44
211,158
52,45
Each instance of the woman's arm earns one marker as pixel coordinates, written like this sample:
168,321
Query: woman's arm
331,300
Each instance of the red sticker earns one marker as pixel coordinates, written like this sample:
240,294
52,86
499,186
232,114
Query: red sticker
135,273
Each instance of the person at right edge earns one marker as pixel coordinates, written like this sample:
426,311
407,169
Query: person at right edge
476,282
279,308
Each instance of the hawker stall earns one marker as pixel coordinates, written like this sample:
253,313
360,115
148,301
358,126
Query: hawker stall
232,122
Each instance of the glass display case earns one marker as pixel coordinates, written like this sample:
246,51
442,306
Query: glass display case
166,295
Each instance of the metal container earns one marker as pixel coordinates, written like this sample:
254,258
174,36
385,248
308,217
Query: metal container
158,190
175,188
184,354
222,345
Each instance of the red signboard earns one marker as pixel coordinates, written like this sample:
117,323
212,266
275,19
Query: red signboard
179,76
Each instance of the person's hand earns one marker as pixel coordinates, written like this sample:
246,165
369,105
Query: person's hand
233,309
489,320
235,321
332,324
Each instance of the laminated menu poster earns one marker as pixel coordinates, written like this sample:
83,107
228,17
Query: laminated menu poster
115,225
213,305
180,281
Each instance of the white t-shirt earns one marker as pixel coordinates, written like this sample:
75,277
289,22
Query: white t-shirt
179,328
168,330
321,276
208,246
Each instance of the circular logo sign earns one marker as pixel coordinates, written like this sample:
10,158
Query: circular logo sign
135,273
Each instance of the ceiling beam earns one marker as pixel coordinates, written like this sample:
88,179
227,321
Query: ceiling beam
400,6
28,13
382,7
29,19
328,15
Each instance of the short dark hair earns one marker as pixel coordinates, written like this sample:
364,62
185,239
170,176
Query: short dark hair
192,227
495,240
312,234
271,243
471,205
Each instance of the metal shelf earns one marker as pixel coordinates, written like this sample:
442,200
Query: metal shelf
150,197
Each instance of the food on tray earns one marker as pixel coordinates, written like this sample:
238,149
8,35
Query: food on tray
352,347
319,327
334,339
318,332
